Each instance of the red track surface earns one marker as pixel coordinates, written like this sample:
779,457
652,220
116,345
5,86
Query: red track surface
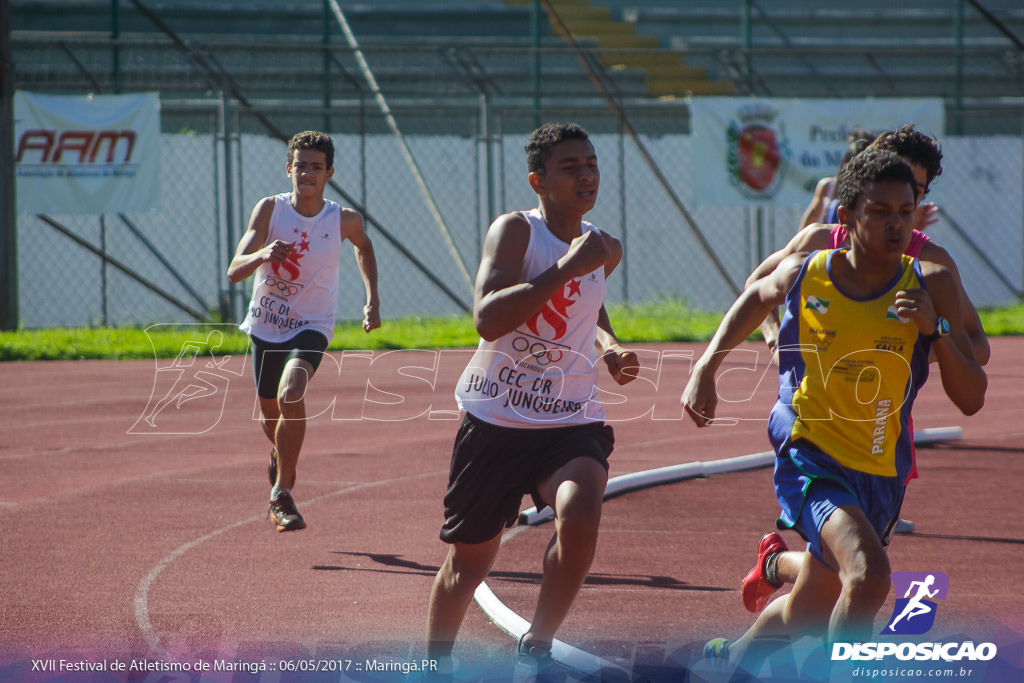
128,540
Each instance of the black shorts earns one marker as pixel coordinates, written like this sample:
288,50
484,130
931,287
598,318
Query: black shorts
494,467
269,358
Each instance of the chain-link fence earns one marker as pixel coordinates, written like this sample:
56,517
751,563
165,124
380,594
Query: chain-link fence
431,177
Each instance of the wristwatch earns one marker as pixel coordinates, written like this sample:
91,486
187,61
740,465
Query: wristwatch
941,330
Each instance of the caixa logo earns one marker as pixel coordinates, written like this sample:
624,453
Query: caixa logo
87,144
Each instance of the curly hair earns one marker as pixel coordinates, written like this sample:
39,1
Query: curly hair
871,166
915,147
312,139
542,141
856,142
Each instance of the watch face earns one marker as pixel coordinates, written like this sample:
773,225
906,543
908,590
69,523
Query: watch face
942,326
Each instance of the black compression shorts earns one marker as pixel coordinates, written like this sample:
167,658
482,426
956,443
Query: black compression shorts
269,358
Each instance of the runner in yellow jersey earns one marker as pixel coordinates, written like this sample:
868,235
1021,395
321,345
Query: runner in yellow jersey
858,326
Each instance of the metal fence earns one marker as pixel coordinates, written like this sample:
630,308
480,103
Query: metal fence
430,178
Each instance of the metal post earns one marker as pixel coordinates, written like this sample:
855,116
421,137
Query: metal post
759,254
223,245
958,36
229,199
746,33
327,67
8,173
104,315
623,215
115,33
500,137
478,179
363,133
485,118
535,40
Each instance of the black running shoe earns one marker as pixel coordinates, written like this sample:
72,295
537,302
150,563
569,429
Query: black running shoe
284,514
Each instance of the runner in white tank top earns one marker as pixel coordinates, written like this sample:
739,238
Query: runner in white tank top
531,424
293,246
543,372
300,292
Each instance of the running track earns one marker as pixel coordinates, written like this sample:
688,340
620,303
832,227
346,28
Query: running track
131,540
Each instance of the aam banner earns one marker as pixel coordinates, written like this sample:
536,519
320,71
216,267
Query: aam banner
87,154
773,150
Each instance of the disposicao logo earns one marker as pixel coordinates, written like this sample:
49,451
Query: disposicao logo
914,613
917,594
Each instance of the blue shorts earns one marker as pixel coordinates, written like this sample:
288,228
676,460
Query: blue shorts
810,486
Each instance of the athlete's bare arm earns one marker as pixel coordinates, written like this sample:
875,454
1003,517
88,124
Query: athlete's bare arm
253,249
816,236
963,380
623,364
501,301
352,229
700,397
815,211
614,253
971,321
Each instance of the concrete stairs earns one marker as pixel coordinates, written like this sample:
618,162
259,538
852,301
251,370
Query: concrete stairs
619,48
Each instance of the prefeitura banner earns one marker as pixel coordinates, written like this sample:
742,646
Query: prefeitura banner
772,150
88,154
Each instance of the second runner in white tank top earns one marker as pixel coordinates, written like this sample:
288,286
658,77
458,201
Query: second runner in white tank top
543,374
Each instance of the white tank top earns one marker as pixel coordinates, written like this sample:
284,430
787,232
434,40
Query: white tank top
543,374
302,292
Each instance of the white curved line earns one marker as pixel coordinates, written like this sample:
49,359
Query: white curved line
142,591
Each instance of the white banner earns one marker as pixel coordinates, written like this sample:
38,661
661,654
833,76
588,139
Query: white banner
87,154
750,152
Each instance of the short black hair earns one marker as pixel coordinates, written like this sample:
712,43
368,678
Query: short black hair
871,166
856,142
542,141
312,139
915,147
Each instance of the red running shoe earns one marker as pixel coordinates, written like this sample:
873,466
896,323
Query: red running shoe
756,589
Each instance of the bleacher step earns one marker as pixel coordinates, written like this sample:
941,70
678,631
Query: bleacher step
665,73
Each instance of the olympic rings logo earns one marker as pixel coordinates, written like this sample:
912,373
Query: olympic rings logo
538,350
282,286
